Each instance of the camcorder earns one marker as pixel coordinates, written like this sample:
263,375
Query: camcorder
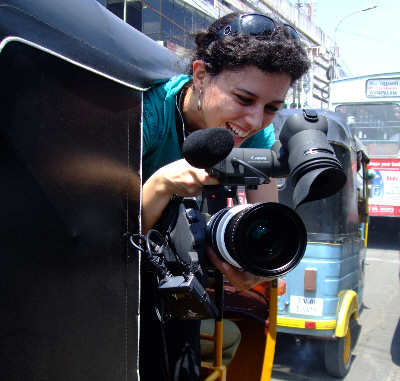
266,239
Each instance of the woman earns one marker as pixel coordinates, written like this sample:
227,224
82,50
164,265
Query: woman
239,77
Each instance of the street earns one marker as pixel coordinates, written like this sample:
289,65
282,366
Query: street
376,355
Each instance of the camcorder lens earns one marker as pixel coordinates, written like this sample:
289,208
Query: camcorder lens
265,239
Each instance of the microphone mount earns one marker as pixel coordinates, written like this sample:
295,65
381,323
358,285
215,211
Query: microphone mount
236,161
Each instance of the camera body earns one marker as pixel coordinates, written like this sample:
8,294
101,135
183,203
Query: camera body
184,291
265,239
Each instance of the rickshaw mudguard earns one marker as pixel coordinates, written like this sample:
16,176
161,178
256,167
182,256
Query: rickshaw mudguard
347,308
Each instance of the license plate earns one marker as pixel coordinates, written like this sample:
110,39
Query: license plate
306,306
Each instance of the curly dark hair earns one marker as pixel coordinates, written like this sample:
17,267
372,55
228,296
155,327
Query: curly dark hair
277,53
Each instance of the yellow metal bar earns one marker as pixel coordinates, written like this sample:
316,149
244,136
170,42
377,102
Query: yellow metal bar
204,336
218,335
366,214
216,375
217,370
269,352
366,221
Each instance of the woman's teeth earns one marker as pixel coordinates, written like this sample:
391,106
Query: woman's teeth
238,132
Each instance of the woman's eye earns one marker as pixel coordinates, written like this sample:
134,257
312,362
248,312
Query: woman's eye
271,109
243,99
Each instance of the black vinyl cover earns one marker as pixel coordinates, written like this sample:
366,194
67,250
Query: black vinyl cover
86,33
70,127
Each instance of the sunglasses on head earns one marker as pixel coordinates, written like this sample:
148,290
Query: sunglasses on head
255,25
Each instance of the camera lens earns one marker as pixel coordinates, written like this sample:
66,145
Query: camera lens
265,239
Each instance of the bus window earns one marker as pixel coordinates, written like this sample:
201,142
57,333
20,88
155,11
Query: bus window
376,125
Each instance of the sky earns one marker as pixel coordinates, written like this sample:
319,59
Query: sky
368,41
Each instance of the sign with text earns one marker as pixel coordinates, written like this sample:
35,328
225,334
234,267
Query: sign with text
384,190
383,87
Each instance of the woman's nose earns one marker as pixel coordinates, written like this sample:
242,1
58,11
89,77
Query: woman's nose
255,118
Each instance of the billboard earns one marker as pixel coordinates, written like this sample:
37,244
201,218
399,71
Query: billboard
384,190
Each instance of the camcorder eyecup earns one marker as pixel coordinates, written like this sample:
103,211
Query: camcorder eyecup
265,239
318,184
315,171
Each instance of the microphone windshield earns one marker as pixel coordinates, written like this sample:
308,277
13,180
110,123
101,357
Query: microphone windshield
207,147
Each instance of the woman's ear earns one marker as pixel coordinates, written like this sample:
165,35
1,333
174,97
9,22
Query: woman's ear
199,74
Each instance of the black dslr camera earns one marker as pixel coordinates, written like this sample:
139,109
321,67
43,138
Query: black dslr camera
265,239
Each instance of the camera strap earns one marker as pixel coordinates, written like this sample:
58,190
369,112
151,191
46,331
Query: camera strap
170,215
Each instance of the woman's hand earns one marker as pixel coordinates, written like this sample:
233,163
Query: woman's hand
178,178
182,179
238,278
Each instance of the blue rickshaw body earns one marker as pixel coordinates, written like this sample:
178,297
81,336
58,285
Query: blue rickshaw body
338,269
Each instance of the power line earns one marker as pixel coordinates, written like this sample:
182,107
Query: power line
342,63
376,38
375,27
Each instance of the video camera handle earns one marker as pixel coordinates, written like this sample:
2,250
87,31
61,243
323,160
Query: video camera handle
262,176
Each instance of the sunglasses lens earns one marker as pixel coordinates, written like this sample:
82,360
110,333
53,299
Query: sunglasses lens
291,31
257,25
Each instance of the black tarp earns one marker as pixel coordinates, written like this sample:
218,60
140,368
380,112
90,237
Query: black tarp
86,33
70,138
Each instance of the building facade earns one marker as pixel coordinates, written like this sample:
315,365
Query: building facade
173,22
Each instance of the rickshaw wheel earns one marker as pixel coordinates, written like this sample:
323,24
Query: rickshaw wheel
338,355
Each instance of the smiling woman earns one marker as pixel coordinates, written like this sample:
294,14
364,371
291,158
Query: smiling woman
238,78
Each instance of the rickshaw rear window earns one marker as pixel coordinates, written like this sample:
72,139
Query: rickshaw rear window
377,125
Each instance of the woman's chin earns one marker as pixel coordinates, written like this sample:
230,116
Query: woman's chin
238,141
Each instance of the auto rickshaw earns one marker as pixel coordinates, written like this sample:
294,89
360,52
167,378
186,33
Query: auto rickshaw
322,296
324,292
